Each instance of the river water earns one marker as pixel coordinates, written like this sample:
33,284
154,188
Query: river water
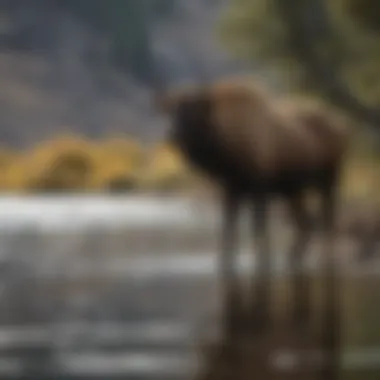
96,287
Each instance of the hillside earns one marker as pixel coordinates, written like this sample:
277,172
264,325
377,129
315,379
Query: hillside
57,73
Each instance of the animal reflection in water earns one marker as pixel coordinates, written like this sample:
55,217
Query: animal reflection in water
258,147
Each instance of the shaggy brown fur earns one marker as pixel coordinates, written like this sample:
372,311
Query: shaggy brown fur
263,140
256,147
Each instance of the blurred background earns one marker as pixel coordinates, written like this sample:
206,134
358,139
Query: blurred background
108,238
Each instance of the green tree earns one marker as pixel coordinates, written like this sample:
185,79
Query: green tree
315,44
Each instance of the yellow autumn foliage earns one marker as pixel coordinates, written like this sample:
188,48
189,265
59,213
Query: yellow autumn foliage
62,164
17,176
110,173
7,158
117,162
165,169
122,148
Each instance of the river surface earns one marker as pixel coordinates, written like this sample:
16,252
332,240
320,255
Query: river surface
97,287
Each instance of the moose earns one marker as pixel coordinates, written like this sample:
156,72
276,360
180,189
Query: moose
257,147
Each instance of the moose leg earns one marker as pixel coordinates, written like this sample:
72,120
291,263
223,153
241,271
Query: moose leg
301,283
231,297
262,281
330,310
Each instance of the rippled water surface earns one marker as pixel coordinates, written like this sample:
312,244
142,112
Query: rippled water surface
128,288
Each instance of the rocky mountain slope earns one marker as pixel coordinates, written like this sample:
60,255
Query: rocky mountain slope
56,74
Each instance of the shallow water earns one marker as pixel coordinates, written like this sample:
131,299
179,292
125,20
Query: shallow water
128,287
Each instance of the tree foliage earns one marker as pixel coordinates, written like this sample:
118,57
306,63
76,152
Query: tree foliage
254,30
316,44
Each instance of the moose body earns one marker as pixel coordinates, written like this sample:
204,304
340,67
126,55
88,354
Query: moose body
281,160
